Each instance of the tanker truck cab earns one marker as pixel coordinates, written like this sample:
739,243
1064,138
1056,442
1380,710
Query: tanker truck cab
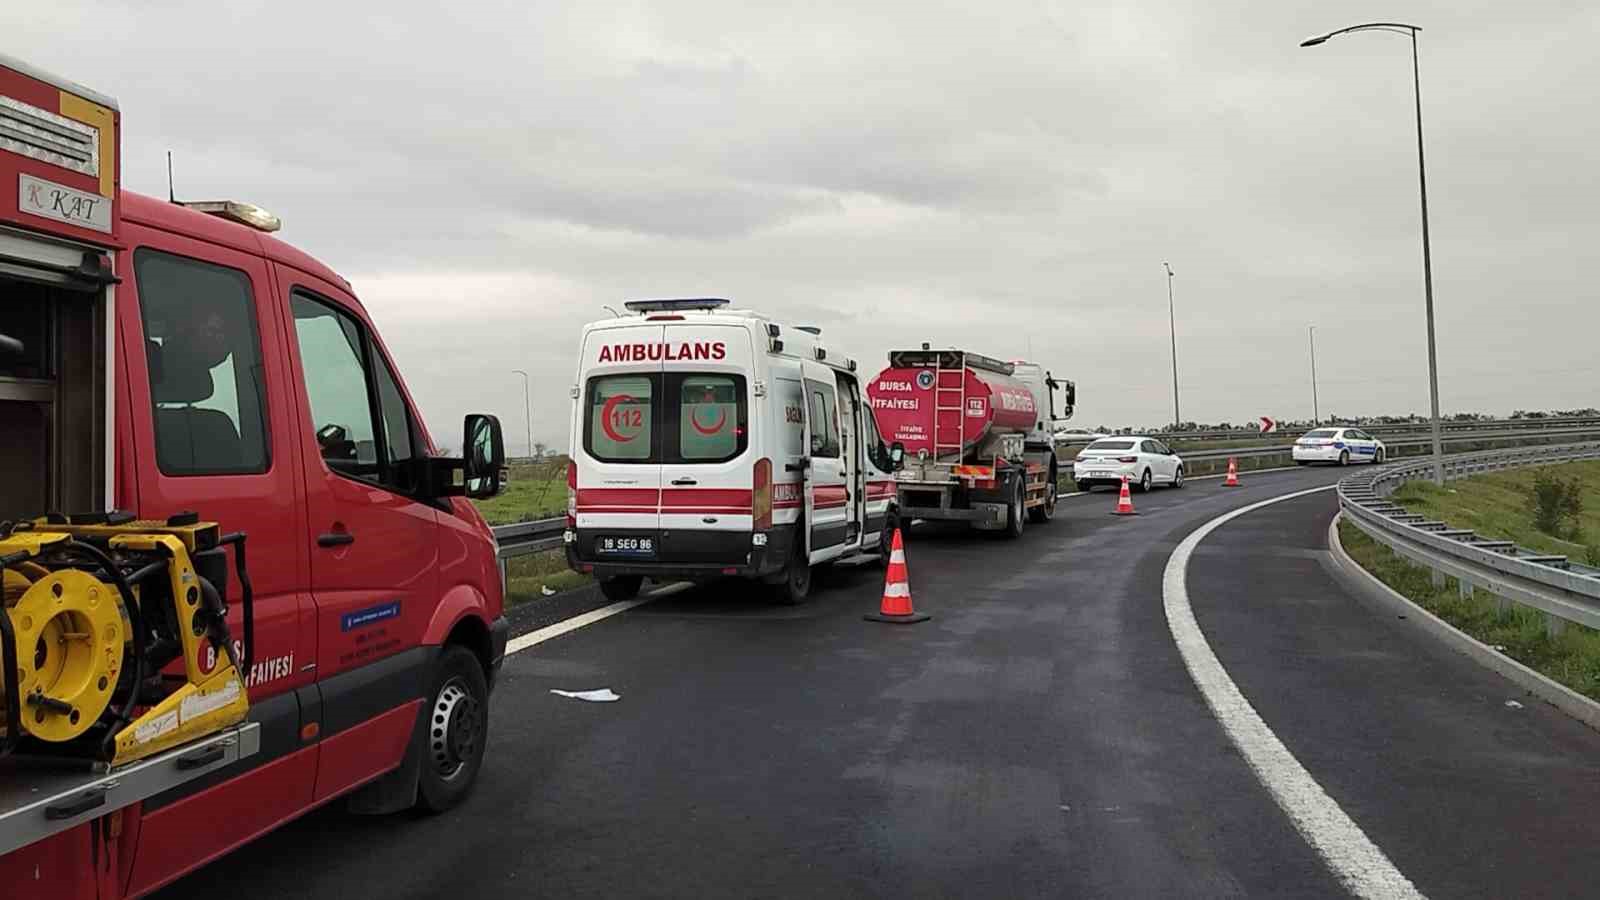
711,442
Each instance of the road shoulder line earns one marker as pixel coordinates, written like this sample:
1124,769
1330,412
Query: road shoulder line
1364,584
1354,859
550,632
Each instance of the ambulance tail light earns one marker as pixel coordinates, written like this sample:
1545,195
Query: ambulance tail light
761,495
572,493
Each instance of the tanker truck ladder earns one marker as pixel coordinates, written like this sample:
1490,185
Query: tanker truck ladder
943,411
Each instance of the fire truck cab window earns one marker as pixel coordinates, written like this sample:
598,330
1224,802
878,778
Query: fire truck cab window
203,354
344,374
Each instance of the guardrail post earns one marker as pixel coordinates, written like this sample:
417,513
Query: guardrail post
1554,625
1438,578
1464,587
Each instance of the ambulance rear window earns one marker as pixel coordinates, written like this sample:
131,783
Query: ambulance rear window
620,417
711,417
679,417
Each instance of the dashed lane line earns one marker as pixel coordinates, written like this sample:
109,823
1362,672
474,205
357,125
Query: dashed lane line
1354,859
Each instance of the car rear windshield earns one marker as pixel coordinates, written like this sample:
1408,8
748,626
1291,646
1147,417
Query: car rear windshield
675,418
1111,445
1321,433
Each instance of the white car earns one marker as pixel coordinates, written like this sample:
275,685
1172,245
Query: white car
1144,461
1338,445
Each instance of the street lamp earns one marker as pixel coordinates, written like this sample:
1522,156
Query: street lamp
1427,252
527,409
1316,417
1172,322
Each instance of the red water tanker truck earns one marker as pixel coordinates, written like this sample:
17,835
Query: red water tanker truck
971,436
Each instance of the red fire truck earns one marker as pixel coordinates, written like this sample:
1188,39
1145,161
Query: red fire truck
175,384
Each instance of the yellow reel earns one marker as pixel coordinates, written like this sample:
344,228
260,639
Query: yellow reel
69,637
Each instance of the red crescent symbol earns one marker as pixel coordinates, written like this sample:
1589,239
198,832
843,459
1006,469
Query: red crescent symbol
605,418
722,419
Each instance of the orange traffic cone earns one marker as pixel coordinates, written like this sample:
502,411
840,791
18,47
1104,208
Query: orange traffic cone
896,605
1233,473
1124,501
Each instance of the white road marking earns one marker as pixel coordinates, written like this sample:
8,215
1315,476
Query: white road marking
549,632
1357,862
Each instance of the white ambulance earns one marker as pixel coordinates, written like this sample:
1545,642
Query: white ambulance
710,441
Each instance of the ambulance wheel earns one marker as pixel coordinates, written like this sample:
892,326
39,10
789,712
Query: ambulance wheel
1045,511
795,588
621,587
456,728
1016,515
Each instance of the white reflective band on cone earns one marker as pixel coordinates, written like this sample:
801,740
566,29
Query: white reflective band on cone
898,556
897,589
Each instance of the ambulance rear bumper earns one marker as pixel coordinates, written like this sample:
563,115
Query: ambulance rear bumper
685,554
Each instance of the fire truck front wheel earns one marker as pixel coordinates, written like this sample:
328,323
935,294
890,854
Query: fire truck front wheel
456,727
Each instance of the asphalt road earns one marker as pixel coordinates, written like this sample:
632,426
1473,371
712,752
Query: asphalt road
1040,736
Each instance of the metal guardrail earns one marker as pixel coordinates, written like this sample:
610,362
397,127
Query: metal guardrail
523,538
1563,590
1450,437
1422,429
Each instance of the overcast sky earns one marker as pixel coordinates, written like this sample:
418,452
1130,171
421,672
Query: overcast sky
1005,176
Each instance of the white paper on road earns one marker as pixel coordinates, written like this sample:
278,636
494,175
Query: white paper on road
603,695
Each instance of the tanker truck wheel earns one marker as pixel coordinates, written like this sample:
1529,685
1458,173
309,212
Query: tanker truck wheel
1016,516
1047,510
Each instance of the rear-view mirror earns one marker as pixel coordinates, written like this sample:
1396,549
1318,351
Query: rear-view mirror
483,455
897,454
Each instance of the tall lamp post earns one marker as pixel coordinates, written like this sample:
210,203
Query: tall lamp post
1427,253
1316,417
527,409
1172,322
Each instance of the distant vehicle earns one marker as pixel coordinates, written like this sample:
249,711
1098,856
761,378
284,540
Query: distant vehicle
1144,461
1078,437
1338,445
971,436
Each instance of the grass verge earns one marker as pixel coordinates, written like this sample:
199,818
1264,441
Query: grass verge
527,577
1499,505
1571,657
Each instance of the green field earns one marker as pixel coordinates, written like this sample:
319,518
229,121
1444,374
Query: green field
532,491
1499,505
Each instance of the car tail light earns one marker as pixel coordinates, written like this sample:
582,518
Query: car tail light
761,495
572,493
1128,459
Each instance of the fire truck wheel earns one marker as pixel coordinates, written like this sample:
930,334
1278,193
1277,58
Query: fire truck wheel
795,588
1016,516
621,587
457,726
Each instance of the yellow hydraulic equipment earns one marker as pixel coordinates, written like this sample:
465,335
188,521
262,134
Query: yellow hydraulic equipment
114,641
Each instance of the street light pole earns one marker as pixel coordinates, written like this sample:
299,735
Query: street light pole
527,409
1316,416
1427,250
1172,322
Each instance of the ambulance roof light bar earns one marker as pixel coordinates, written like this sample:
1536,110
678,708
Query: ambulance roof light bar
676,304
247,214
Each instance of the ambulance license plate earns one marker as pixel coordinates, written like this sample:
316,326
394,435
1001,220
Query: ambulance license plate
625,546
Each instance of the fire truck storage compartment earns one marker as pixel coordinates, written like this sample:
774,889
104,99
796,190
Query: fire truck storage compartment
52,395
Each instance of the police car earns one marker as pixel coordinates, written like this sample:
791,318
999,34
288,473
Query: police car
710,442
1338,445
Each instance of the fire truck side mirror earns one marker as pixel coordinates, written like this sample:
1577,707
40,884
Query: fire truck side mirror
897,455
483,455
